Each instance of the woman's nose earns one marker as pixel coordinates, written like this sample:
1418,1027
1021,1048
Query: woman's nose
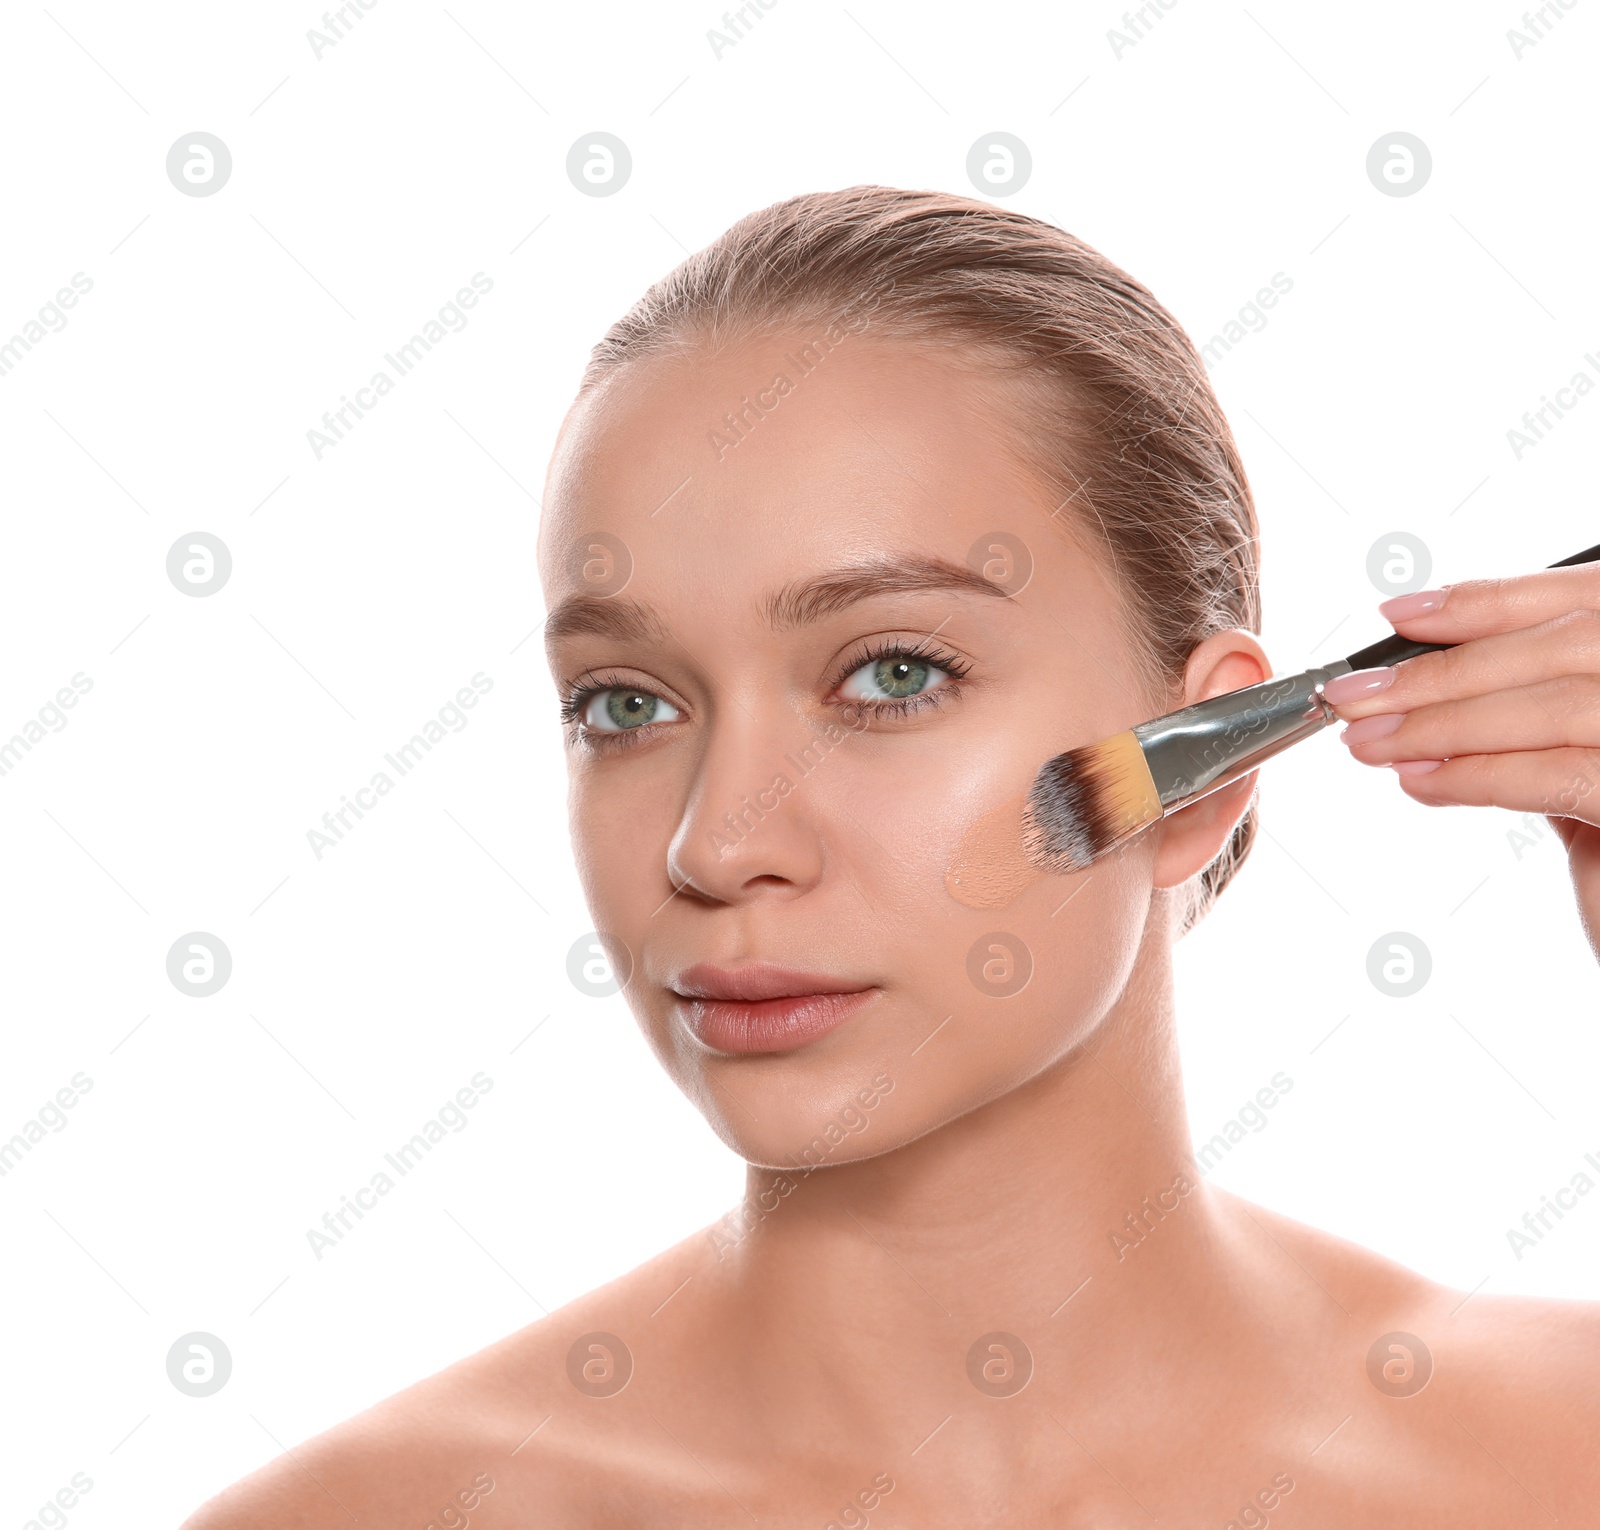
749,826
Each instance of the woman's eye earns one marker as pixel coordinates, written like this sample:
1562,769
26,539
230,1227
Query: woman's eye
617,710
894,677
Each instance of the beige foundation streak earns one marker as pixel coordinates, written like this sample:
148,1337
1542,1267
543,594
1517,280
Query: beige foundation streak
991,867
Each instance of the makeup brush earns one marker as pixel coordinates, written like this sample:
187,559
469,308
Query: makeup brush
1086,801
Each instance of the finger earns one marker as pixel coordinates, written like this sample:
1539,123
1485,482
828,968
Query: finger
1568,644
1563,783
1474,608
1550,715
1567,829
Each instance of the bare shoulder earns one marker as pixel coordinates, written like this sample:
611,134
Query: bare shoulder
1528,1368
502,1437
1515,1378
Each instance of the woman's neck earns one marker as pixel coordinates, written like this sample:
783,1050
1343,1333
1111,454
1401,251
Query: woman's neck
1069,1213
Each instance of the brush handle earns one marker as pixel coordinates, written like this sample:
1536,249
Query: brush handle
1394,648
1209,743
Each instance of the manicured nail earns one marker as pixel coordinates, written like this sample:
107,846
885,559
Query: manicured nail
1357,684
1403,607
1365,729
1415,767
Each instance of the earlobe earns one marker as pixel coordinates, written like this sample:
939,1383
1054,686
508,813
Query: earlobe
1193,837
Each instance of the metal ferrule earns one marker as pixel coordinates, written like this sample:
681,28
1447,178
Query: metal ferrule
1204,746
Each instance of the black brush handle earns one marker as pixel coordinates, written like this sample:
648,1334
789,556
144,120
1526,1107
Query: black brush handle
1394,648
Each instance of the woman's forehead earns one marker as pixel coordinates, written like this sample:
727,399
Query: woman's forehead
879,457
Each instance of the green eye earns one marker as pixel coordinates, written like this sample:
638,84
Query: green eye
900,677
618,710
894,677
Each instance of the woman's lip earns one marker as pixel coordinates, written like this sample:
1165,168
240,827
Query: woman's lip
756,981
768,1025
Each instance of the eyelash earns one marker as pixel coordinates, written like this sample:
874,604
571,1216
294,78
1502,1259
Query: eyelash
573,704
926,651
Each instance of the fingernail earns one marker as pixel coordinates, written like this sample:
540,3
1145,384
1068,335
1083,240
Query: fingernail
1415,767
1358,683
1365,729
1403,607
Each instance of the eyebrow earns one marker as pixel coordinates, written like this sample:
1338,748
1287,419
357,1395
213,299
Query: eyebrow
796,605
809,600
604,616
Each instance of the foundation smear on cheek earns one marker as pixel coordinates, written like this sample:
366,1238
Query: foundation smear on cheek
991,867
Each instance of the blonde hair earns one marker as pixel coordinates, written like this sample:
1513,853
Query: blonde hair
1121,414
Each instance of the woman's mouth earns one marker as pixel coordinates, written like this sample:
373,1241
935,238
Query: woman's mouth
763,1008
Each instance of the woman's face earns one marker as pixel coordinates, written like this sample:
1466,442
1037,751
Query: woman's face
803,664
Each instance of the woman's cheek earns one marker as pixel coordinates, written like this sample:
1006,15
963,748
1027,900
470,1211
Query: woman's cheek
912,806
1023,982
621,832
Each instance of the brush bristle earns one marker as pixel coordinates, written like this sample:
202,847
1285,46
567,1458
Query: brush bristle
1087,800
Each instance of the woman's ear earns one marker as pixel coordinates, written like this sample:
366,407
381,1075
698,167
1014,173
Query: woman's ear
1194,836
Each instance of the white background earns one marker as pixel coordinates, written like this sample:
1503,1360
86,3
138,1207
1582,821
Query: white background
367,587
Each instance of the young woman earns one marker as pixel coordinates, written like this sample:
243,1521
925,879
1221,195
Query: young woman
859,516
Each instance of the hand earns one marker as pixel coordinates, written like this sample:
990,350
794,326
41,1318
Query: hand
1510,719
